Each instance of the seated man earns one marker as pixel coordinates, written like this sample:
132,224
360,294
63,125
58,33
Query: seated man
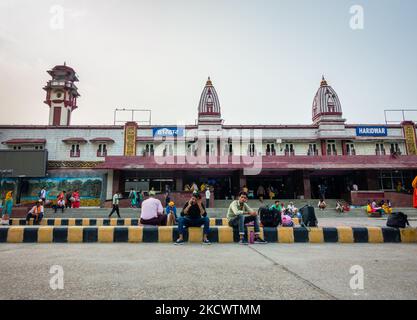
171,211
36,213
277,206
60,202
152,211
239,214
193,215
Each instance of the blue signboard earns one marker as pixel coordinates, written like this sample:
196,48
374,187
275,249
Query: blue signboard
370,131
168,132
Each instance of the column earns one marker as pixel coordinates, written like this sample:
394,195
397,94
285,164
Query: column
306,185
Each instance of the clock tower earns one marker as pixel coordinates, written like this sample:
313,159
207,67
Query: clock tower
61,95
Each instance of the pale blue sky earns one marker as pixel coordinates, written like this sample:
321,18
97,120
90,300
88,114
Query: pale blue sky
265,58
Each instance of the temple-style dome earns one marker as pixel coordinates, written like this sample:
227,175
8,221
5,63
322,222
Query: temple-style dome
326,103
209,106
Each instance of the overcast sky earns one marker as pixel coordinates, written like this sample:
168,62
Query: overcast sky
265,57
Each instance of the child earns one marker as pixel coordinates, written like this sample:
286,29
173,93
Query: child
171,211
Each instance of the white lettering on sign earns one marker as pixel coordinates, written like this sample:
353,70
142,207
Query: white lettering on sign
372,130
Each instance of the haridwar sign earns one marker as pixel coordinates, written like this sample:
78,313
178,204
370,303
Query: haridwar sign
369,131
168,132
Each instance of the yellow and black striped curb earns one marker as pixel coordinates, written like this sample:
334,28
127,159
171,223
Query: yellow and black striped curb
220,234
89,222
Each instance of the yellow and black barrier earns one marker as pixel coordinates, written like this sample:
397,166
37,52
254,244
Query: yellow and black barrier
218,234
92,222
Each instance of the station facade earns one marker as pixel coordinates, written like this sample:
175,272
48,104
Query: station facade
293,159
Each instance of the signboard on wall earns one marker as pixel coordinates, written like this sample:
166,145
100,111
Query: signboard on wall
410,138
168,132
372,131
130,139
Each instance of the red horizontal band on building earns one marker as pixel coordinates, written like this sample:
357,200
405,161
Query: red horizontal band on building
75,139
102,139
25,141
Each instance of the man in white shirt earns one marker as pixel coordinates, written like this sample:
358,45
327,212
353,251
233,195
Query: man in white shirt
36,213
116,200
152,211
208,194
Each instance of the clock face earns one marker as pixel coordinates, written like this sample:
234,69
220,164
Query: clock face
59,94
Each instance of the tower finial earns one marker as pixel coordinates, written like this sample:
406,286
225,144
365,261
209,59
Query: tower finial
209,83
65,63
323,81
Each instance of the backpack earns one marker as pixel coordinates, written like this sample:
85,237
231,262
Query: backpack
308,217
287,221
269,217
397,220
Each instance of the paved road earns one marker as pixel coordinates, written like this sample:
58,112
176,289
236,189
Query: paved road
219,271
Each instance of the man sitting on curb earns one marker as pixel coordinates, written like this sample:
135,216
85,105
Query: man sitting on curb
239,214
193,215
36,213
152,211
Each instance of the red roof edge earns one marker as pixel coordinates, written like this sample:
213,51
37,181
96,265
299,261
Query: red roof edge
25,141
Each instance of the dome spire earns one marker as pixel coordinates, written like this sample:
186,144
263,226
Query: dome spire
323,81
326,105
209,105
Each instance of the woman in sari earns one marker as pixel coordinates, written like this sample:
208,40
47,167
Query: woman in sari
76,202
133,198
7,209
414,184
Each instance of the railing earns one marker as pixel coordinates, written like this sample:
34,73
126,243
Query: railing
351,152
380,152
312,152
102,153
289,153
74,154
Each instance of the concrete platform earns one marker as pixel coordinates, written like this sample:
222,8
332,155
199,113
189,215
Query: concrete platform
227,271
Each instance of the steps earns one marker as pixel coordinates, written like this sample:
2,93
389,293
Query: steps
212,213
217,234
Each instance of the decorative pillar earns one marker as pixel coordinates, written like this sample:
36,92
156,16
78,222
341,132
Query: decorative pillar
372,180
344,151
130,139
306,185
179,182
410,137
323,147
242,180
